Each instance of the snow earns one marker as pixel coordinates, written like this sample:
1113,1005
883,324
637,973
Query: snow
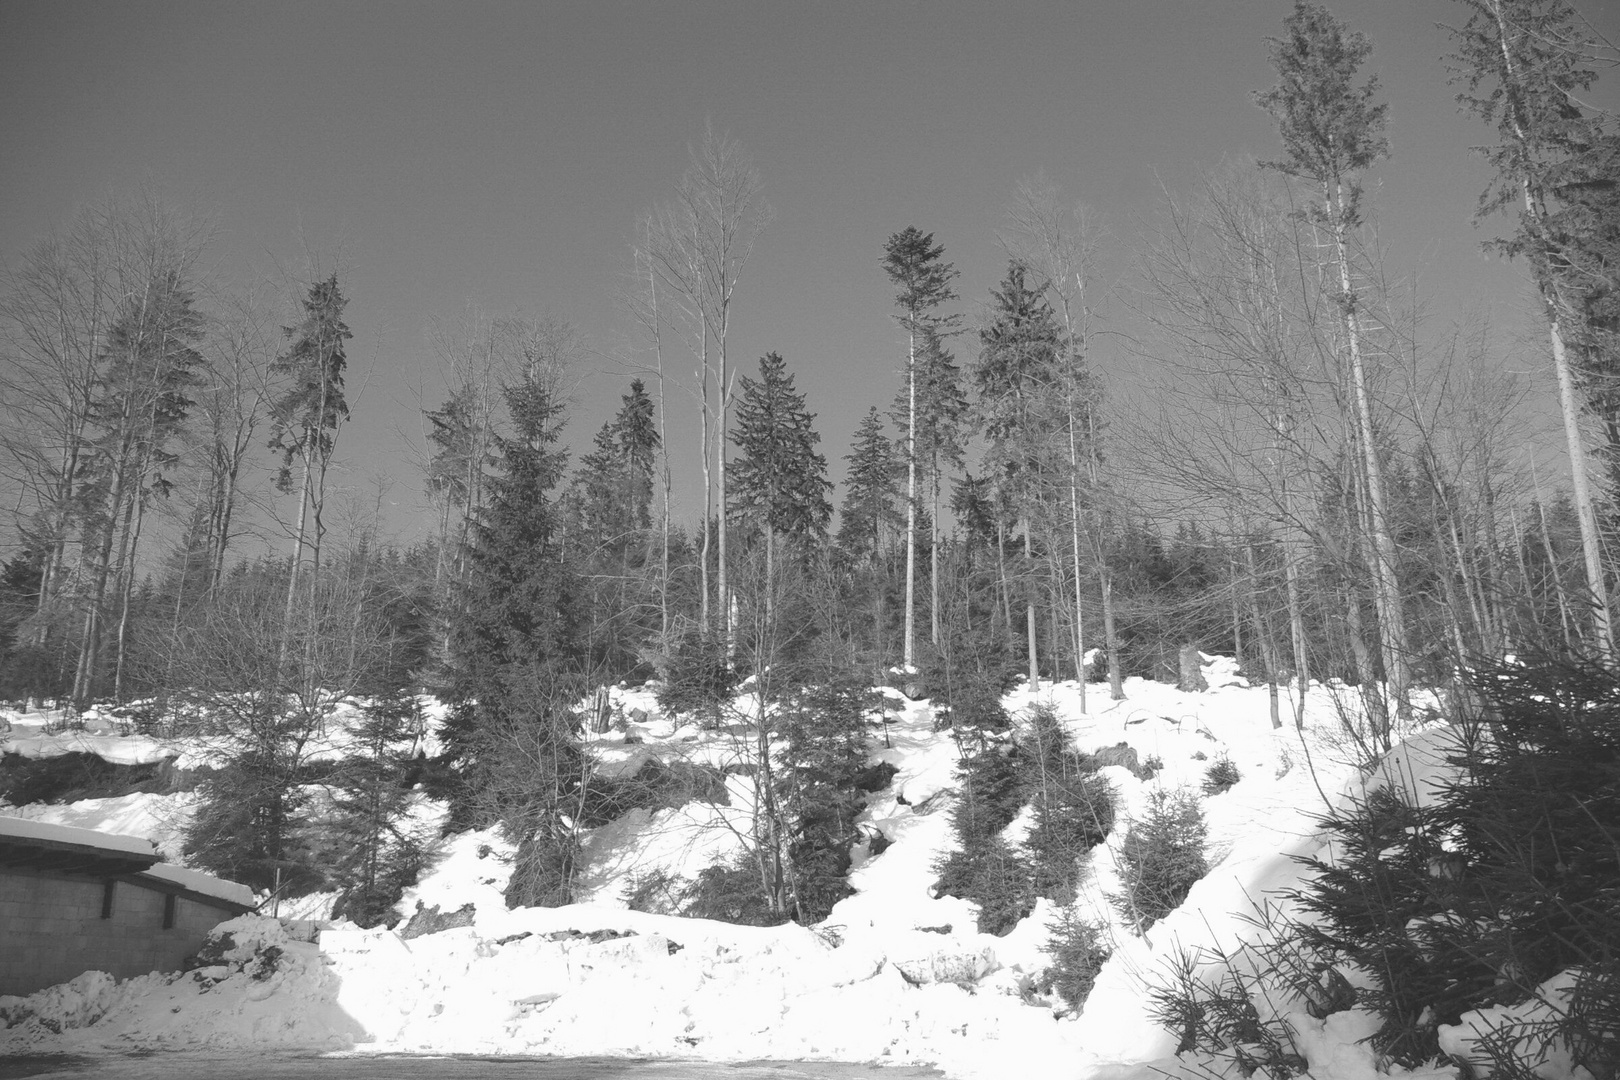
24,829
199,882
893,975
162,819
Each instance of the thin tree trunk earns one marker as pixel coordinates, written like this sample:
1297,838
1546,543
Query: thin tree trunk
1262,631
708,483
933,556
1564,616
724,390
127,586
1074,537
911,502
297,561
1386,591
1029,609
1001,569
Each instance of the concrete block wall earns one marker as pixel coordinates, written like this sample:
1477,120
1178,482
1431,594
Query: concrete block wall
51,929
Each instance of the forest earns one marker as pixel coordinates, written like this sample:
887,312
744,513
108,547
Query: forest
1322,489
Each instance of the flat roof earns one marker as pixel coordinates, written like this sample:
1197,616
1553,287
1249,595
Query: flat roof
65,849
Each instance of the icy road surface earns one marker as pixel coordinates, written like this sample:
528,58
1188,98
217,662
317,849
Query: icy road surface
368,1067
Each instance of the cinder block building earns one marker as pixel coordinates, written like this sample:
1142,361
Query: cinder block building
75,900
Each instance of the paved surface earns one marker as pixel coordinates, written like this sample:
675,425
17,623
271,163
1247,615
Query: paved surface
159,1066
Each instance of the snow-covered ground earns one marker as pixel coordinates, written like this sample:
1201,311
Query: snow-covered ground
893,975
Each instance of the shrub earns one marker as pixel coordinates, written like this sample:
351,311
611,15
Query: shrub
1377,903
1078,954
1221,776
1217,1015
698,678
1073,815
731,893
1161,858
543,871
74,776
656,891
993,875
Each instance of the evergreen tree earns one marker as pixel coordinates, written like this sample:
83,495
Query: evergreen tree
868,518
635,434
306,417
871,489
1020,355
942,408
824,728
516,653
923,283
779,481
376,854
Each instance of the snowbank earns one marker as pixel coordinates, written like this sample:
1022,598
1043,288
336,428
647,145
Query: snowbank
894,975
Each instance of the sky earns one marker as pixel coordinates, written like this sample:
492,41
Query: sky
496,156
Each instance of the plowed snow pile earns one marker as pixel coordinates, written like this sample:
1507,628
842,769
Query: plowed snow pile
893,975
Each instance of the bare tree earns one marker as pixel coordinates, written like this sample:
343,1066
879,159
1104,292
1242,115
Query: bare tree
698,244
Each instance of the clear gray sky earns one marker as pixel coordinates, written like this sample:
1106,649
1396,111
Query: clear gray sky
499,154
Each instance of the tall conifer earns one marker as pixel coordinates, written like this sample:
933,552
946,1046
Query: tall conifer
923,283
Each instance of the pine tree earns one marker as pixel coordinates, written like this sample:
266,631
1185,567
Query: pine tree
913,263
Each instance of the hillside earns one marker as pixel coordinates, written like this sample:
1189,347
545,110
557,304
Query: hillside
895,974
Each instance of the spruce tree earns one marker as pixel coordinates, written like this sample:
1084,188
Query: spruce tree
306,416
941,407
779,481
515,650
1020,353
376,854
870,491
923,283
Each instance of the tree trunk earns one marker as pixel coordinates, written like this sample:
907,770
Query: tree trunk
127,586
1029,610
708,485
909,650
1262,633
1591,544
1074,538
933,557
1386,591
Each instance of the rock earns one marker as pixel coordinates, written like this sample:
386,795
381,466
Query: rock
875,777
1121,754
429,920
961,966
1192,679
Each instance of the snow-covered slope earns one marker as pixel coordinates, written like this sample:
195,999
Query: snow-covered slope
893,975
